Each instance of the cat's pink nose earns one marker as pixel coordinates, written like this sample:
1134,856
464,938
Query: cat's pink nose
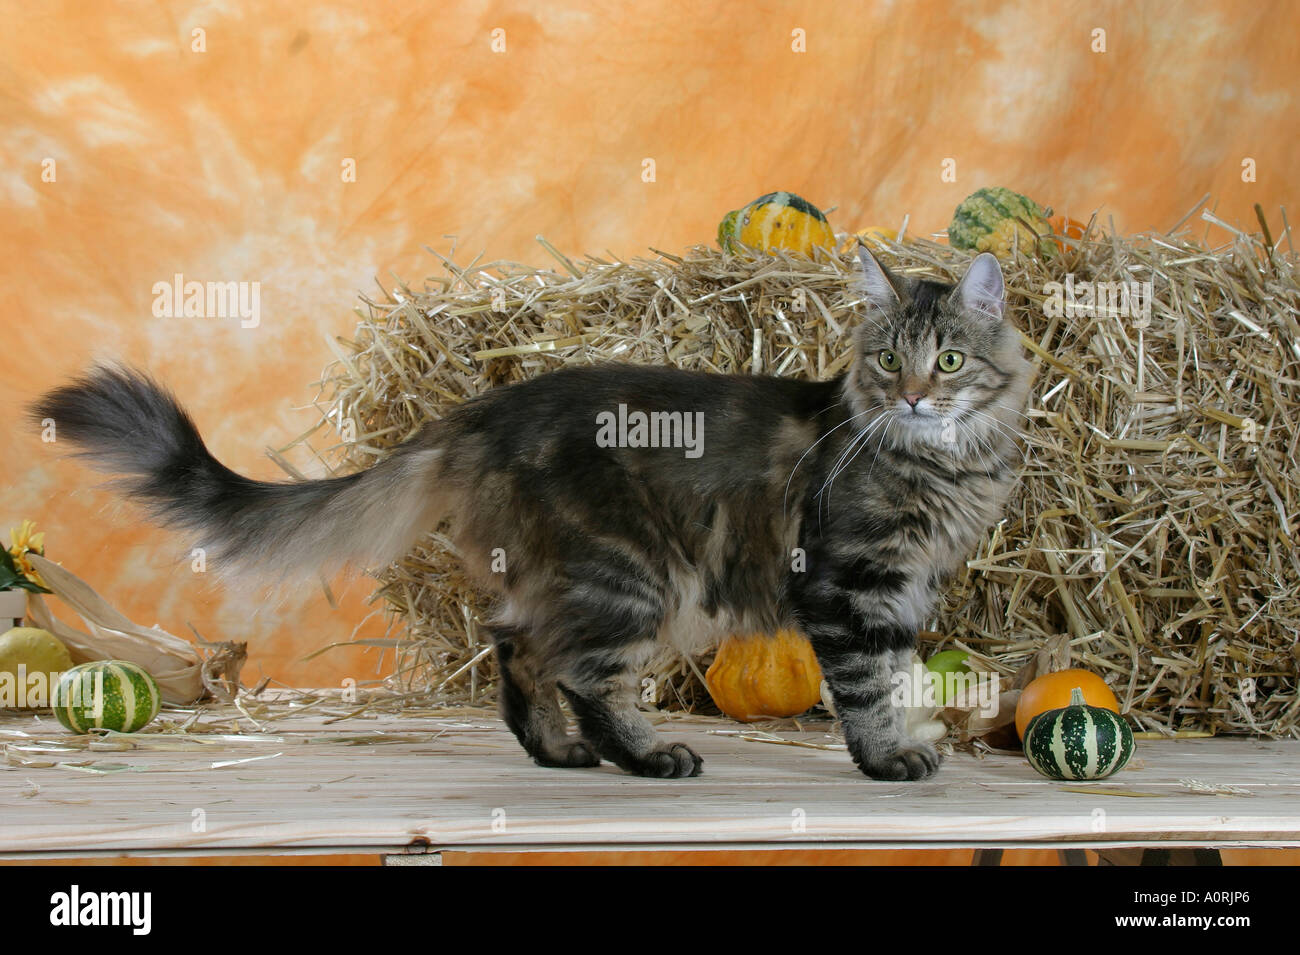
912,397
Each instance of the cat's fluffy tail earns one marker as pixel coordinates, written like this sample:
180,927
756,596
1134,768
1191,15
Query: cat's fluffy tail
125,423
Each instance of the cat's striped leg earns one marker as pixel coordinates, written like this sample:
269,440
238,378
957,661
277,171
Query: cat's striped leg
531,708
863,690
609,607
860,653
605,705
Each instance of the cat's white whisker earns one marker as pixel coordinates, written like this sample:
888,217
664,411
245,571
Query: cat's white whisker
855,444
1001,427
880,444
835,468
976,438
786,498
893,416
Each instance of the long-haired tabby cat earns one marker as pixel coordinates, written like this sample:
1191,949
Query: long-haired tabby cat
624,505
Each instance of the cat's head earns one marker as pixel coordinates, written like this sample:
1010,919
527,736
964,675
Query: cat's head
940,362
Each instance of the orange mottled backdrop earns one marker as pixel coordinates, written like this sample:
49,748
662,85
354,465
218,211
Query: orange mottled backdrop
315,148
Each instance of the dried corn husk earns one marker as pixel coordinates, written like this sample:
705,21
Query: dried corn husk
174,663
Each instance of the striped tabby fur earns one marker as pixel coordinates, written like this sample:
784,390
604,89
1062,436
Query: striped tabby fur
839,507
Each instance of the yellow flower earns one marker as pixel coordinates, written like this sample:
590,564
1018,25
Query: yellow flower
23,541
22,538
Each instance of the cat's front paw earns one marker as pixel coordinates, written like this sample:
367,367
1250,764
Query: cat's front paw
912,760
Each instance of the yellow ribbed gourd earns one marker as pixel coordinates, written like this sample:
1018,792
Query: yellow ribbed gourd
764,676
778,220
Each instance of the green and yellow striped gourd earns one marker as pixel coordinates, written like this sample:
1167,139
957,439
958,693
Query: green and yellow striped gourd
106,694
997,219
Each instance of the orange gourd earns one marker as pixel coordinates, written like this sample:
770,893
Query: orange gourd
764,676
1070,228
1051,691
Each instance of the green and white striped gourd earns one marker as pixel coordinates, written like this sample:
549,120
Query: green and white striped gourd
1078,741
106,694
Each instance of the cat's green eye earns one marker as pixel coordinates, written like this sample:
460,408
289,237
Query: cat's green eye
951,360
889,361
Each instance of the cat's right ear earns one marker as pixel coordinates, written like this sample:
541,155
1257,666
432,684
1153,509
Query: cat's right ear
880,286
981,290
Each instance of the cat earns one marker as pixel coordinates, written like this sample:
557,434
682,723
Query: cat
837,507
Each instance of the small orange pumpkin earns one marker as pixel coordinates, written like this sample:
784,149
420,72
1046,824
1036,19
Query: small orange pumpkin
764,676
1051,691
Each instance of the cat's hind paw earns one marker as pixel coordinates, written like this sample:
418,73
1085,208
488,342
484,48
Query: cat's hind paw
670,761
576,755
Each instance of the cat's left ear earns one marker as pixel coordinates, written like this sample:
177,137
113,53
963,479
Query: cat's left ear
981,291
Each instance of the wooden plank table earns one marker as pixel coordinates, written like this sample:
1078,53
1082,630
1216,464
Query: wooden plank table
401,785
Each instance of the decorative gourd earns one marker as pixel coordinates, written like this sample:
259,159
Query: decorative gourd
1065,226
106,694
764,676
943,663
1078,741
989,220
1051,691
24,652
727,231
778,220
